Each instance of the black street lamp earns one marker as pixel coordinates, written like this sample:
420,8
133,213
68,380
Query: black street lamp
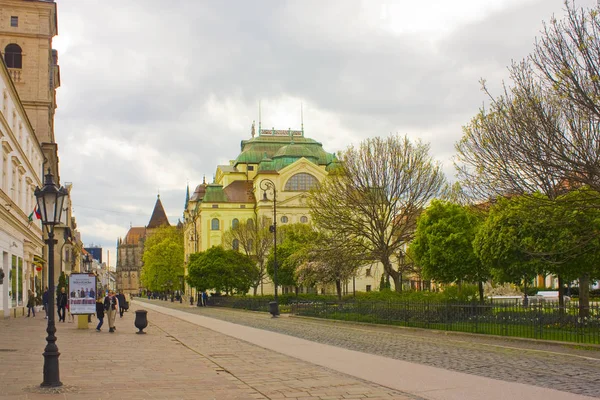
50,200
87,263
267,184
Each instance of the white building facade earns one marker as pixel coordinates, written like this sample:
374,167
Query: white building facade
21,164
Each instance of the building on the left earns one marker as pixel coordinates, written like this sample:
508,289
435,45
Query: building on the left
21,244
29,78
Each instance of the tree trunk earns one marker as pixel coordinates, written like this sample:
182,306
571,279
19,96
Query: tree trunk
387,267
481,292
338,287
255,289
561,294
584,295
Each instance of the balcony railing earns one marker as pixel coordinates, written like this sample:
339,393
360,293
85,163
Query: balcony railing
15,74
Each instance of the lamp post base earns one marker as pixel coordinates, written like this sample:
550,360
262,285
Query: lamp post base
51,372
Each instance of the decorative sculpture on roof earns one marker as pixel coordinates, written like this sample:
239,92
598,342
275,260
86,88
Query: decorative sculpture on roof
253,131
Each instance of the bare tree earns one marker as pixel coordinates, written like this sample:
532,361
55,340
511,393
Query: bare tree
254,239
542,133
376,195
331,259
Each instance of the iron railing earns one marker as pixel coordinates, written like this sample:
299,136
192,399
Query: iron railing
546,321
540,321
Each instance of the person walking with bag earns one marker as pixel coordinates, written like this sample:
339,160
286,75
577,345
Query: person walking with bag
111,306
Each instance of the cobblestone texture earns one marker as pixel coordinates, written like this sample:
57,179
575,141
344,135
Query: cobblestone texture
566,368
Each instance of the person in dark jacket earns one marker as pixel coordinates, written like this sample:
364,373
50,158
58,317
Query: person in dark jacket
122,305
45,300
100,312
30,303
61,304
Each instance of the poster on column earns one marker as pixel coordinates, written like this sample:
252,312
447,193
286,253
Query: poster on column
82,294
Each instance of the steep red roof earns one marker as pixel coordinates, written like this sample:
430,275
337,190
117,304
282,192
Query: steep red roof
239,192
134,235
159,217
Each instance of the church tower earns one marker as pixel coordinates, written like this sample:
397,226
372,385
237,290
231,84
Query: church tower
27,28
130,250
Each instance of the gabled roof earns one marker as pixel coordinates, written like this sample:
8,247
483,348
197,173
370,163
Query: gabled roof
159,217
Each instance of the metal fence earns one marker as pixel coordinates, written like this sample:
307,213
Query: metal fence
539,321
245,303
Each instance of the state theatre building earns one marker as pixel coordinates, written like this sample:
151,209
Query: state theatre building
293,162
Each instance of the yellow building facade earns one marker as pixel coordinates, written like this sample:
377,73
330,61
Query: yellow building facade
286,159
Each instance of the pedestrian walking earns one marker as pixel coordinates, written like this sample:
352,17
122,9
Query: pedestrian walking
191,300
111,305
99,313
61,304
122,302
204,299
30,303
45,300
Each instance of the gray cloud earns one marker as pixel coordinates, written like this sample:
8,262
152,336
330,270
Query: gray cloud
155,93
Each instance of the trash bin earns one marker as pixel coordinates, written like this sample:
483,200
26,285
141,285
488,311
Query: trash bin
274,308
141,320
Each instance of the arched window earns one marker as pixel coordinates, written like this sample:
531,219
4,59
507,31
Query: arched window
235,223
250,223
13,56
303,219
250,244
236,244
214,224
301,182
284,219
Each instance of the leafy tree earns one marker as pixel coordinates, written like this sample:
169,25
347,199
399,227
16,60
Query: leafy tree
524,236
227,271
292,241
503,240
375,196
62,283
163,259
256,241
443,244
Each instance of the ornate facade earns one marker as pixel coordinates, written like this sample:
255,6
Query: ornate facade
130,251
292,162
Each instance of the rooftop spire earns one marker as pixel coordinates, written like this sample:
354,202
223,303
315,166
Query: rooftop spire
187,196
302,119
259,119
159,217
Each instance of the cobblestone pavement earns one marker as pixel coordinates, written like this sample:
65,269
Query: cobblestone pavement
174,360
566,368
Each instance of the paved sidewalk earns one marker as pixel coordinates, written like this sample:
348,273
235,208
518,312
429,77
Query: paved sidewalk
569,368
420,380
175,360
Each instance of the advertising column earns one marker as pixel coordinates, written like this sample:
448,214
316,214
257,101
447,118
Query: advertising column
82,294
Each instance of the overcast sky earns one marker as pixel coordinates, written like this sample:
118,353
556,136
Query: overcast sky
158,93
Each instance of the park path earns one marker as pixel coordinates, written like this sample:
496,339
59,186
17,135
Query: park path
570,369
